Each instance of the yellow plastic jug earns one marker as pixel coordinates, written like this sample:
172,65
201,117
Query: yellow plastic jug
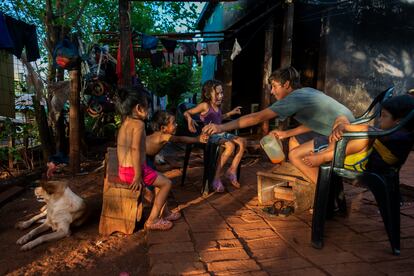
273,148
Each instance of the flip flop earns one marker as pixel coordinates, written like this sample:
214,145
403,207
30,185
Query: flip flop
218,186
173,216
233,180
160,224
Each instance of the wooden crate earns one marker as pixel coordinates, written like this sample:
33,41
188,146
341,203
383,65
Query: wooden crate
285,175
121,207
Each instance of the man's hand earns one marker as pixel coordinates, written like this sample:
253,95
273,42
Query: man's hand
203,138
192,126
136,186
212,129
235,111
280,134
337,133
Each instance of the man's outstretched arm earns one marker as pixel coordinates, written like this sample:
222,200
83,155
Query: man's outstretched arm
243,122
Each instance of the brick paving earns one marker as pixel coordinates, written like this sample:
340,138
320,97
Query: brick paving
224,234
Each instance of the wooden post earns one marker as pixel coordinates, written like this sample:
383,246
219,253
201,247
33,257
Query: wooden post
267,70
320,84
11,144
227,79
286,55
286,58
74,111
125,41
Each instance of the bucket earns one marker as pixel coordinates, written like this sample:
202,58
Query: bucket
273,148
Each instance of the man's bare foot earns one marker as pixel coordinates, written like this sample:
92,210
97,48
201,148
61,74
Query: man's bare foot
313,160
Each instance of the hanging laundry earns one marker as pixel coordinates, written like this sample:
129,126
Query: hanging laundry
213,49
169,44
131,61
189,48
149,42
23,35
236,49
199,48
178,55
168,57
5,40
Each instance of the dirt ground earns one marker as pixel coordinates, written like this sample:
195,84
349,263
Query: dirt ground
85,252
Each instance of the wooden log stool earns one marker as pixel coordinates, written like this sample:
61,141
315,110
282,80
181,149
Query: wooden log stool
285,182
121,207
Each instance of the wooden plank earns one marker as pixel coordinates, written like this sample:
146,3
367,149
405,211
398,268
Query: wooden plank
287,37
125,42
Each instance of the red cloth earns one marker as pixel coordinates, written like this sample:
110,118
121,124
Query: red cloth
131,62
126,174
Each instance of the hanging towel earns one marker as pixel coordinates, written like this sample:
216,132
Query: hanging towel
149,42
23,35
5,40
236,49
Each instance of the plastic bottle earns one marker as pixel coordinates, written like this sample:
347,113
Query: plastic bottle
273,148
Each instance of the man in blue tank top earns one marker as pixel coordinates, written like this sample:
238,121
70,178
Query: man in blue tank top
314,110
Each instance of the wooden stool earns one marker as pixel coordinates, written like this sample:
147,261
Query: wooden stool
121,207
281,179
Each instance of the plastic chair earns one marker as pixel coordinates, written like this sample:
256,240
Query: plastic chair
383,184
211,152
379,99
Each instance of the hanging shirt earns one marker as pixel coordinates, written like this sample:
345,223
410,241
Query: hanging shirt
5,40
23,35
149,42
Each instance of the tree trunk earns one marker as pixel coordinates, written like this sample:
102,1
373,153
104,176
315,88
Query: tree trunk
74,136
125,41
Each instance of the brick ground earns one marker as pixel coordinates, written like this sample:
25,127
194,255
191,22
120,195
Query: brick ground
228,233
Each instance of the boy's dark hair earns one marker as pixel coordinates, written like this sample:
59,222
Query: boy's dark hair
400,107
128,98
286,74
209,87
160,119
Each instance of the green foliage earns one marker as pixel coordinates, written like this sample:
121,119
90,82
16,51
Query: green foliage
16,132
172,81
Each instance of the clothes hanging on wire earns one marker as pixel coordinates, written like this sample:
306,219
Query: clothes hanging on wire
149,42
23,35
178,55
213,49
169,44
236,49
5,40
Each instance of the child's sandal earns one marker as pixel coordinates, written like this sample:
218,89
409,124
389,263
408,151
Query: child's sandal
160,224
233,180
218,186
173,216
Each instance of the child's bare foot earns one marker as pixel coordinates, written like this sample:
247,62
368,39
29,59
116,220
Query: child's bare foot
313,160
231,176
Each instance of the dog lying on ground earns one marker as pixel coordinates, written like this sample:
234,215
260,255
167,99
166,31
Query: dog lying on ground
63,208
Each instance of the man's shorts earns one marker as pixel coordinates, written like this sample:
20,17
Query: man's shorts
320,142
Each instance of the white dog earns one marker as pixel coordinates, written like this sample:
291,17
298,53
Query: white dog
63,208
